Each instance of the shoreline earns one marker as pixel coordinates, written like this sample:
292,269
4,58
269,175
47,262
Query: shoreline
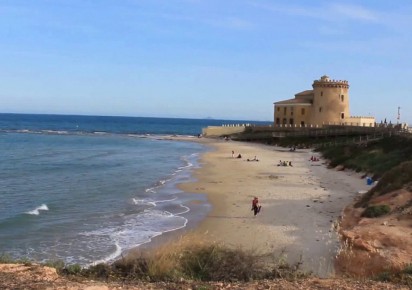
301,205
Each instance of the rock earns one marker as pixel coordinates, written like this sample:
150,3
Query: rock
340,168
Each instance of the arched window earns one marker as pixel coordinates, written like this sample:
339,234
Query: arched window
342,97
342,115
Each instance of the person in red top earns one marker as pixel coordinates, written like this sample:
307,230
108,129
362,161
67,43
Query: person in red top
256,206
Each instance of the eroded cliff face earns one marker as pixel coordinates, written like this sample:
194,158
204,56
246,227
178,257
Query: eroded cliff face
374,245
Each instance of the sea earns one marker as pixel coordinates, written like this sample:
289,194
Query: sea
88,189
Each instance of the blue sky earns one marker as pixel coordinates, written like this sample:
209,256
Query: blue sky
196,58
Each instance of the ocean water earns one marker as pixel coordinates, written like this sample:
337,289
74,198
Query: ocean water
86,189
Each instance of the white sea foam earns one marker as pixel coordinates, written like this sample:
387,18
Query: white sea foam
165,200
186,209
151,202
137,230
37,210
57,132
143,201
117,252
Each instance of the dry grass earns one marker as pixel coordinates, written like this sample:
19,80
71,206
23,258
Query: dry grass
193,258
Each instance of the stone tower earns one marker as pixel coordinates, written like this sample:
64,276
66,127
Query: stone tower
330,101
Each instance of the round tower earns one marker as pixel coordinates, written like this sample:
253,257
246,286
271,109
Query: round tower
330,101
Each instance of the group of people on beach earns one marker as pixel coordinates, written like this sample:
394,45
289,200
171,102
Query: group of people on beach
238,156
314,158
285,163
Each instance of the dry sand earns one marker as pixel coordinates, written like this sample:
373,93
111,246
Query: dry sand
300,204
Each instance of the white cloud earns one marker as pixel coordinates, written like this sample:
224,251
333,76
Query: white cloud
329,12
353,12
230,23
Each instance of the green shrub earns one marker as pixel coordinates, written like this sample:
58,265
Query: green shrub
385,277
74,269
6,259
395,178
408,269
100,271
218,263
376,211
57,264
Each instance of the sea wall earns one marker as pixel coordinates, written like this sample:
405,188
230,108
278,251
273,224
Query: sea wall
217,131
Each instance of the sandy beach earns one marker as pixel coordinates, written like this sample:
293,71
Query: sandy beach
300,204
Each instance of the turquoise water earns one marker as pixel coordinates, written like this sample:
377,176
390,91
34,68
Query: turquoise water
86,189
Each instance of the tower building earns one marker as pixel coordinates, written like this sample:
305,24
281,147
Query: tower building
327,103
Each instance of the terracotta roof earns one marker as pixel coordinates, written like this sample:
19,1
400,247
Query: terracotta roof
294,102
305,93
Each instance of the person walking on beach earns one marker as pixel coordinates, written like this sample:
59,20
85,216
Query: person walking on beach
256,206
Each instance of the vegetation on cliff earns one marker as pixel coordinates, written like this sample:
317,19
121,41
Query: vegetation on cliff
376,157
191,259
388,160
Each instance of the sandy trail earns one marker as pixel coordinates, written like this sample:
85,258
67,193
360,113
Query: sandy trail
300,204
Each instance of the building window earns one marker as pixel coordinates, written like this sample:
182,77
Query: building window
291,121
302,123
342,97
291,111
284,110
321,94
320,109
342,115
284,121
302,111
277,121
278,109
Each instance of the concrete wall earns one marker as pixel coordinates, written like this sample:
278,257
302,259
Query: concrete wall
360,121
217,131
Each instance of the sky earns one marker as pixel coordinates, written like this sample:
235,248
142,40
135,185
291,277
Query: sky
223,59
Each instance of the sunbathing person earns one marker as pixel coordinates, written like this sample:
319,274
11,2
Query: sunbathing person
254,159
